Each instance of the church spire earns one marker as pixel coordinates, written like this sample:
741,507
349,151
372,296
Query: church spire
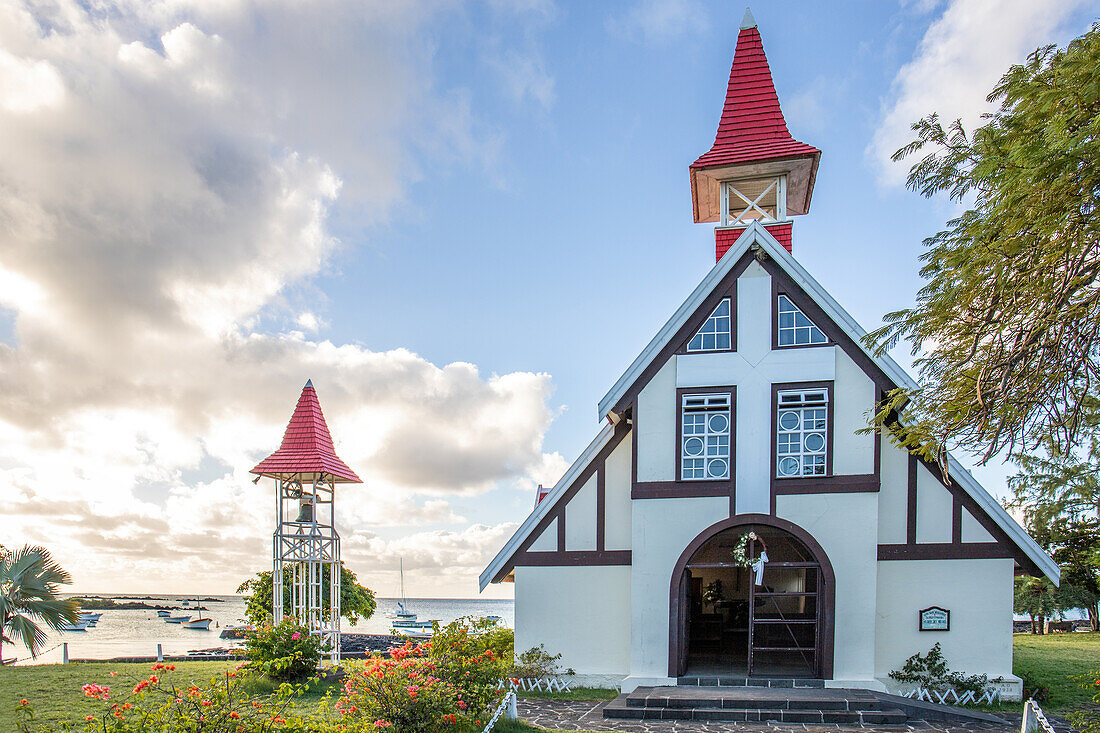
755,170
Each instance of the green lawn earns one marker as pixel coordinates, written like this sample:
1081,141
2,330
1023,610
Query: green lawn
54,690
1050,660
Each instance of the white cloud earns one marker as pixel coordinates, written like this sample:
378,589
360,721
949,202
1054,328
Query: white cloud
960,58
167,174
659,21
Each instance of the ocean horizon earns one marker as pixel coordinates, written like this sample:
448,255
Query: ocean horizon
137,632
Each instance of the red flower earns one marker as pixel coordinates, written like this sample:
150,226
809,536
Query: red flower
23,701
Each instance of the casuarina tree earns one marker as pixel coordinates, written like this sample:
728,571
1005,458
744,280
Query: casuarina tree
1007,326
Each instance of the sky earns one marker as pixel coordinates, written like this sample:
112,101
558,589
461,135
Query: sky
462,221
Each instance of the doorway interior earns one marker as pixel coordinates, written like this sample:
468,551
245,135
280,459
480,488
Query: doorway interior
734,626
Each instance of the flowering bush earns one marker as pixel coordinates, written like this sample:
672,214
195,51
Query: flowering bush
448,682
1087,720
156,703
286,651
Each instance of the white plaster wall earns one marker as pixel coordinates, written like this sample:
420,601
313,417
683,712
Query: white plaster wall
580,612
977,592
846,527
933,508
855,396
972,531
617,504
548,540
662,530
893,495
656,426
580,517
754,313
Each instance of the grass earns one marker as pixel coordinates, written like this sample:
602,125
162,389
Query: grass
1050,660
54,690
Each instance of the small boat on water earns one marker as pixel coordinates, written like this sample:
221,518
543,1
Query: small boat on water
177,619
404,618
74,626
414,633
89,616
198,623
497,619
164,614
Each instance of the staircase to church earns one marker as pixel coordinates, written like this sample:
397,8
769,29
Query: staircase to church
755,700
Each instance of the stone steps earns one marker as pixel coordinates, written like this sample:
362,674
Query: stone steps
754,704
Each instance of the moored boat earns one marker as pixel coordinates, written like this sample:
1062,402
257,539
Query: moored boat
198,623
177,619
74,626
164,614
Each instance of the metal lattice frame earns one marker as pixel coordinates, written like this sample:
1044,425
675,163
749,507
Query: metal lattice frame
306,547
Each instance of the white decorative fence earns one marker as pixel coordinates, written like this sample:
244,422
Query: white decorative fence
507,708
532,684
1034,721
991,696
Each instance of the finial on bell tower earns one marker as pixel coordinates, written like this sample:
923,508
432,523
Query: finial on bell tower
755,171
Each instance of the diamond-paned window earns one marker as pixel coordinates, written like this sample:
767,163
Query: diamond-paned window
715,334
705,442
801,439
795,329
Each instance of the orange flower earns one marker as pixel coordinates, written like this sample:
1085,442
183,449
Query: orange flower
171,668
234,714
114,674
23,701
89,717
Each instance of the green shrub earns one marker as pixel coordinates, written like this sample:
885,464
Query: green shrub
286,651
536,663
930,671
158,704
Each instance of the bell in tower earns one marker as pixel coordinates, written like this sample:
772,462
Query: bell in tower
306,544
755,170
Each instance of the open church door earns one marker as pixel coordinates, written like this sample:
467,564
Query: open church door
683,621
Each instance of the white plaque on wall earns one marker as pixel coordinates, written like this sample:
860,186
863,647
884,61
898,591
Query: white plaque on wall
935,618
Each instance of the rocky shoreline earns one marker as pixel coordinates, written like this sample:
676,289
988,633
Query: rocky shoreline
352,646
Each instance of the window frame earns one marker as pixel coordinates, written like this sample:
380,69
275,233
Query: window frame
731,316
816,318
729,391
830,410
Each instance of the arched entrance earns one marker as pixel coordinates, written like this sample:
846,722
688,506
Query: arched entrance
724,623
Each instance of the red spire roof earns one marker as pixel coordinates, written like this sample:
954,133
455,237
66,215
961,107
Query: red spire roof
752,127
307,445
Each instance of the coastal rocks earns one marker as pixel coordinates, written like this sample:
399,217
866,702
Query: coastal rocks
367,643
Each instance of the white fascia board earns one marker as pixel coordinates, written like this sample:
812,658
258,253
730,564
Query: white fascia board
757,234
689,306
512,546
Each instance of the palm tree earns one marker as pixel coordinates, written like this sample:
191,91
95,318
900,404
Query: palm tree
29,578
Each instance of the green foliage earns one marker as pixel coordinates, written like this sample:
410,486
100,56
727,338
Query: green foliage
1005,329
446,683
29,580
1059,495
356,601
712,594
537,663
161,703
931,672
1087,719
286,651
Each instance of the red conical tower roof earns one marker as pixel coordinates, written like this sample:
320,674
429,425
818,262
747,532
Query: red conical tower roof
752,133
307,445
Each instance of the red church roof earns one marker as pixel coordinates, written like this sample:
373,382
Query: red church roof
752,127
307,445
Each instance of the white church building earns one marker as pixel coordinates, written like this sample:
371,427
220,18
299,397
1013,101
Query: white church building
738,432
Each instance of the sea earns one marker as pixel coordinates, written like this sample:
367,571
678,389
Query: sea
124,633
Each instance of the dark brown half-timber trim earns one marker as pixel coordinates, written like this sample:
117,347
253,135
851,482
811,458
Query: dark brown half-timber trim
828,599
573,558
680,489
1002,546
911,503
558,511
792,484
795,298
853,484
782,283
726,286
945,551
699,319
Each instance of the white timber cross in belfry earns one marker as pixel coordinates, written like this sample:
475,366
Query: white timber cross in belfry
306,545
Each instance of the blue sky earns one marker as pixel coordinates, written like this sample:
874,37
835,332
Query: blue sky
461,220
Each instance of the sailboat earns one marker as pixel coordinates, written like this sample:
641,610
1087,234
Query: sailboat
404,618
